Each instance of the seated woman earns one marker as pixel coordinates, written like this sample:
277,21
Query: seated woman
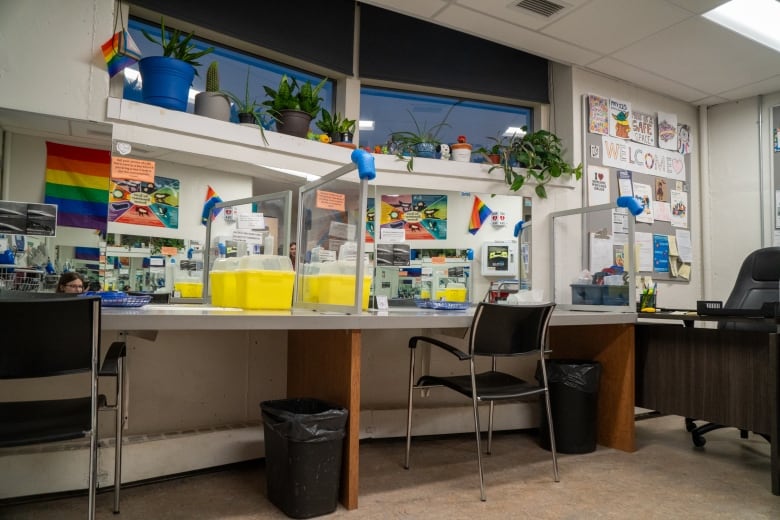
70,282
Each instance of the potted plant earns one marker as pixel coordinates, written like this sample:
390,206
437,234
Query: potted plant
493,154
213,102
248,110
337,128
422,142
534,156
294,106
166,79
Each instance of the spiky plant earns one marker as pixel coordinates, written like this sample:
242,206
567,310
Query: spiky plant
212,77
178,46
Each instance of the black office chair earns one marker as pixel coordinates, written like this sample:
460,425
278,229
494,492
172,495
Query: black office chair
56,335
756,284
496,330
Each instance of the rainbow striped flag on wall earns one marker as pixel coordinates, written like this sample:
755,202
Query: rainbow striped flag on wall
479,214
77,181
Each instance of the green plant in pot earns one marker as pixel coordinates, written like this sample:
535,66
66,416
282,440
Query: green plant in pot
340,129
420,142
248,109
213,102
293,105
534,156
166,79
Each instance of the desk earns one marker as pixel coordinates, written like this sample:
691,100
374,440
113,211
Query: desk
722,376
324,356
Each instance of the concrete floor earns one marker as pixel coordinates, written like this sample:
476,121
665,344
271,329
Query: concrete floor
665,478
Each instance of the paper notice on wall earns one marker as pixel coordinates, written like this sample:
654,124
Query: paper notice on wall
684,245
598,185
679,207
644,243
644,192
625,187
601,255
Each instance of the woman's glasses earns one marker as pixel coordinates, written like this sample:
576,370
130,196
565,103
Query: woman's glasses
76,286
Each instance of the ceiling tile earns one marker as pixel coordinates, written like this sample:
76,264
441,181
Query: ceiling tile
703,55
754,89
605,26
504,10
505,33
647,79
698,6
417,8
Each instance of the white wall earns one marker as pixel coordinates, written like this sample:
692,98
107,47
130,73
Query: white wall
740,200
568,100
50,58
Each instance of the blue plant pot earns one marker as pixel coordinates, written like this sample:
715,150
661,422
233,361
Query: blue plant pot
426,150
165,82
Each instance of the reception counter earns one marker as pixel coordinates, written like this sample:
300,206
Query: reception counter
324,353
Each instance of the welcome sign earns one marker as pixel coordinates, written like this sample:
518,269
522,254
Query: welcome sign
641,158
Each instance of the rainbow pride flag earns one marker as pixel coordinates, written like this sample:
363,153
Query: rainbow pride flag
211,199
120,51
479,214
77,181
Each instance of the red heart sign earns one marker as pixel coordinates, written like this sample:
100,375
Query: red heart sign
600,176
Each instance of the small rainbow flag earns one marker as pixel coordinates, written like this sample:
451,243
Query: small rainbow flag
120,51
77,181
211,199
479,214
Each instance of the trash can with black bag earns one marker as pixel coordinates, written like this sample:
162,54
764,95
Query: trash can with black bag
303,446
574,392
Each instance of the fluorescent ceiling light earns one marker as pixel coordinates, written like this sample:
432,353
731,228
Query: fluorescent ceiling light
754,19
307,176
514,130
365,125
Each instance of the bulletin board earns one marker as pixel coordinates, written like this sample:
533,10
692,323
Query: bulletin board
637,150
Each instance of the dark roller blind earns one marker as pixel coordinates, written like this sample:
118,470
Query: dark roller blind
394,47
314,31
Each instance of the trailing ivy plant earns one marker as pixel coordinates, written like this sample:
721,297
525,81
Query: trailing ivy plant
535,156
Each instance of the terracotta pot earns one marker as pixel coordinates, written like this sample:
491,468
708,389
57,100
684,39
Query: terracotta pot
494,158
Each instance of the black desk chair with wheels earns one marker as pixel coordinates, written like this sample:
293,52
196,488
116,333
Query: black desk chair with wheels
57,336
496,331
756,284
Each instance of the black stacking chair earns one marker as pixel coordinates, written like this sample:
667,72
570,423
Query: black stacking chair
496,330
756,284
56,335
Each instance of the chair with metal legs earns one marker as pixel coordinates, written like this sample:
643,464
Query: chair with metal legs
67,343
496,331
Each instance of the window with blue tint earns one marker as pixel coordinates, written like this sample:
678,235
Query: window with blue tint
233,69
394,111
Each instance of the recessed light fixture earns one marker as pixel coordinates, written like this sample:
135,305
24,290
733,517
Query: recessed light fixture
754,19
365,125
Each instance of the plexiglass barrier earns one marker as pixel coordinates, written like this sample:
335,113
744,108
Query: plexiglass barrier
247,262
594,259
333,272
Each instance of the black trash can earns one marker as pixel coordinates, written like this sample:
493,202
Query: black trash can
303,446
574,393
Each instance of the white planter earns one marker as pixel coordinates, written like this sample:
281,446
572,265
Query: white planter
212,104
461,152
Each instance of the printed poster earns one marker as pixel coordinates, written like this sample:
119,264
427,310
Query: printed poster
643,128
679,204
420,217
684,139
619,118
667,131
660,253
370,218
644,192
598,185
598,115
153,204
